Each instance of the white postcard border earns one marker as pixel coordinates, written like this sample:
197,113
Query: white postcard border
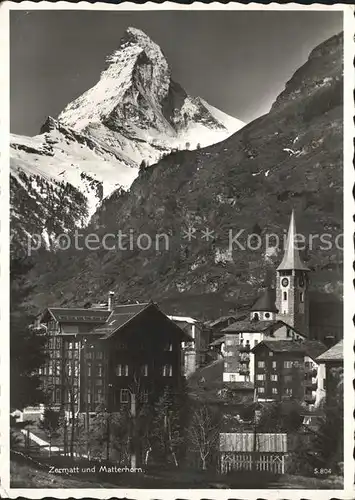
349,209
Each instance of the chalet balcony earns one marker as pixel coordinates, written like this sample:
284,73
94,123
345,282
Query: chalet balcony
309,398
312,386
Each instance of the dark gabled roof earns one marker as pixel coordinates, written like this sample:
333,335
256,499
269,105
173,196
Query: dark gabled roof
280,346
335,353
249,326
210,373
214,322
211,376
266,301
77,315
252,326
313,348
122,315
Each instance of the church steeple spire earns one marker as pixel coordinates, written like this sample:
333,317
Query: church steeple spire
292,259
292,298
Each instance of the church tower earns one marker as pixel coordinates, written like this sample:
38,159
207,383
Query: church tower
292,283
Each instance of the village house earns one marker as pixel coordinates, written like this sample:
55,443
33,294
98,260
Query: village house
103,356
330,375
287,369
195,350
216,326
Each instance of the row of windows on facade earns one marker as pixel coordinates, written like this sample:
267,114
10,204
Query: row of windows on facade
54,367
98,396
274,390
55,380
233,378
122,346
74,354
286,364
56,353
273,377
231,342
284,296
240,341
92,397
125,396
56,342
122,370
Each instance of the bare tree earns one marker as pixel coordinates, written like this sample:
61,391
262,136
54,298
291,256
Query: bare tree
204,433
71,397
166,427
139,435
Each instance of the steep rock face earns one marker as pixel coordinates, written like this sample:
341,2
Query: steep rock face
135,112
136,100
290,158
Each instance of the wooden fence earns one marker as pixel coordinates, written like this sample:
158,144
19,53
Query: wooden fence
249,451
266,462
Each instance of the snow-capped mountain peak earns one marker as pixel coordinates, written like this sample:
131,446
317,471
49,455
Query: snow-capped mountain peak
138,62
135,98
135,112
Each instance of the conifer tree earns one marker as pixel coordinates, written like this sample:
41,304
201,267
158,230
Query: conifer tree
51,423
26,344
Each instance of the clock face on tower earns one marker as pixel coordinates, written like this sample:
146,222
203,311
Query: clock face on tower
284,282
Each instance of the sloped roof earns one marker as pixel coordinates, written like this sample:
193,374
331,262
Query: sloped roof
252,326
266,301
280,346
78,315
335,353
221,319
249,326
183,319
292,259
211,376
120,315
213,372
313,348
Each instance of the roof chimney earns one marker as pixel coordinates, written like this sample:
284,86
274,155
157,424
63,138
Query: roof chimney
110,301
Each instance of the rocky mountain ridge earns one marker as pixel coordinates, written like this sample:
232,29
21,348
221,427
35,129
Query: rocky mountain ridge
135,113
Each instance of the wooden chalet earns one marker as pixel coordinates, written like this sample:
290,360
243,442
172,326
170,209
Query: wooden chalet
103,356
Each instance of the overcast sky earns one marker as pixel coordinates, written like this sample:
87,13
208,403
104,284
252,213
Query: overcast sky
238,61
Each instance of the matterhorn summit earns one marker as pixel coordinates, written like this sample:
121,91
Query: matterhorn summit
134,113
137,107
